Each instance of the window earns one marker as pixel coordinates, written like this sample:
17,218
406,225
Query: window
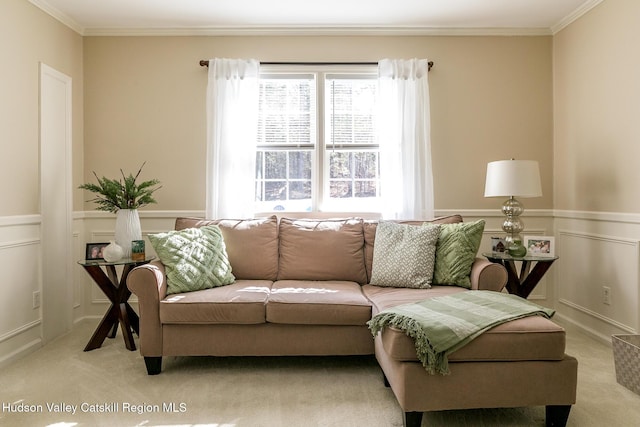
316,146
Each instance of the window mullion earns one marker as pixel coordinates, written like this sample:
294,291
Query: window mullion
321,164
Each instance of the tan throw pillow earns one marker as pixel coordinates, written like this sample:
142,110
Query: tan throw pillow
404,255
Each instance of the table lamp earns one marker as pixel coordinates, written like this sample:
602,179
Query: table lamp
513,178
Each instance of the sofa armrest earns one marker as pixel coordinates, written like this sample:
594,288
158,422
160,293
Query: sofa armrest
149,283
487,275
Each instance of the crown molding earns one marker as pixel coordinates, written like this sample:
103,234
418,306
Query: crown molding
60,16
573,16
317,31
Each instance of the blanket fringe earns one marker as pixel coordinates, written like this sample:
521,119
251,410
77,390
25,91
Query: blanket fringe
434,362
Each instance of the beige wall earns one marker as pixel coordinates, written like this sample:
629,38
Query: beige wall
597,110
596,66
145,101
29,36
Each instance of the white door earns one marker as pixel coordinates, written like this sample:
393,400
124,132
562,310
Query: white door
55,202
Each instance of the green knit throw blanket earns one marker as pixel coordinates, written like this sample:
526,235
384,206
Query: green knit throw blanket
442,325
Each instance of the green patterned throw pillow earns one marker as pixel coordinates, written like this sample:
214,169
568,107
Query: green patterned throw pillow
455,252
194,258
403,255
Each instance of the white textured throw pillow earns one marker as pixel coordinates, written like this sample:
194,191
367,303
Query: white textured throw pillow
404,255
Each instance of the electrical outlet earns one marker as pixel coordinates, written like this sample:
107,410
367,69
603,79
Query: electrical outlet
606,295
36,299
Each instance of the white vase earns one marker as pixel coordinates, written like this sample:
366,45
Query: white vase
113,252
127,229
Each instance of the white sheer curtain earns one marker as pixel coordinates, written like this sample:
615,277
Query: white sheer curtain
405,139
232,117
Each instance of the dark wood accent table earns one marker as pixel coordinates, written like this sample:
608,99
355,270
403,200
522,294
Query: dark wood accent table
104,274
522,284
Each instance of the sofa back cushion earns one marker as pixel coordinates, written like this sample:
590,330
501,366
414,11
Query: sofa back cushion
252,244
370,228
322,250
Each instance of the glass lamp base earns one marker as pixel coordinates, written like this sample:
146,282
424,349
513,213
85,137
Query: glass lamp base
517,249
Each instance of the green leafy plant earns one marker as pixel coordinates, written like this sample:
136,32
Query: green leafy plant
113,195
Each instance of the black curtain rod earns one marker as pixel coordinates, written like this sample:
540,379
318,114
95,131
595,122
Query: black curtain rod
205,63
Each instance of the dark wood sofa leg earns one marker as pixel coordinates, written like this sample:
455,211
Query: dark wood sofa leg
412,419
557,416
154,365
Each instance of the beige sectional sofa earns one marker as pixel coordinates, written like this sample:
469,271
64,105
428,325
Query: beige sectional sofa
302,288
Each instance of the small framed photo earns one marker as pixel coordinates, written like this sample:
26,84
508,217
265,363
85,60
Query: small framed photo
543,246
137,250
498,245
94,251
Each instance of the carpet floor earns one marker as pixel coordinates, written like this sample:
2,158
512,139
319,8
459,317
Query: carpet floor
62,386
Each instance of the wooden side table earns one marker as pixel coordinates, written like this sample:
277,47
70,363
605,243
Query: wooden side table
522,284
104,274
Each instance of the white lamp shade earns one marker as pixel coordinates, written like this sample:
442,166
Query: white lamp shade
506,178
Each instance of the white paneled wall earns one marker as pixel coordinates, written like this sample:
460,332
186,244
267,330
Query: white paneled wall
597,251
20,322
601,261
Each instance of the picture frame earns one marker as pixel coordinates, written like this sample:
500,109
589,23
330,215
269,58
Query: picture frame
137,250
498,245
541,246
94,251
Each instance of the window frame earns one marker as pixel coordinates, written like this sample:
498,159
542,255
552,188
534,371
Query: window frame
320,166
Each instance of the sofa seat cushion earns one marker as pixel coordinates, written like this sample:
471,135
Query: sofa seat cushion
529,338
240,303
384,297
307,302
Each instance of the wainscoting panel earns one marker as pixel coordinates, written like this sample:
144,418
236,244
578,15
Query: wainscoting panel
591,262
20,261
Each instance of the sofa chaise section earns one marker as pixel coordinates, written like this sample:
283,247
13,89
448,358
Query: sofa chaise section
518,363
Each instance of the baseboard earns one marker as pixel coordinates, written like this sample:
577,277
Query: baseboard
571,324
87,318
21,352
